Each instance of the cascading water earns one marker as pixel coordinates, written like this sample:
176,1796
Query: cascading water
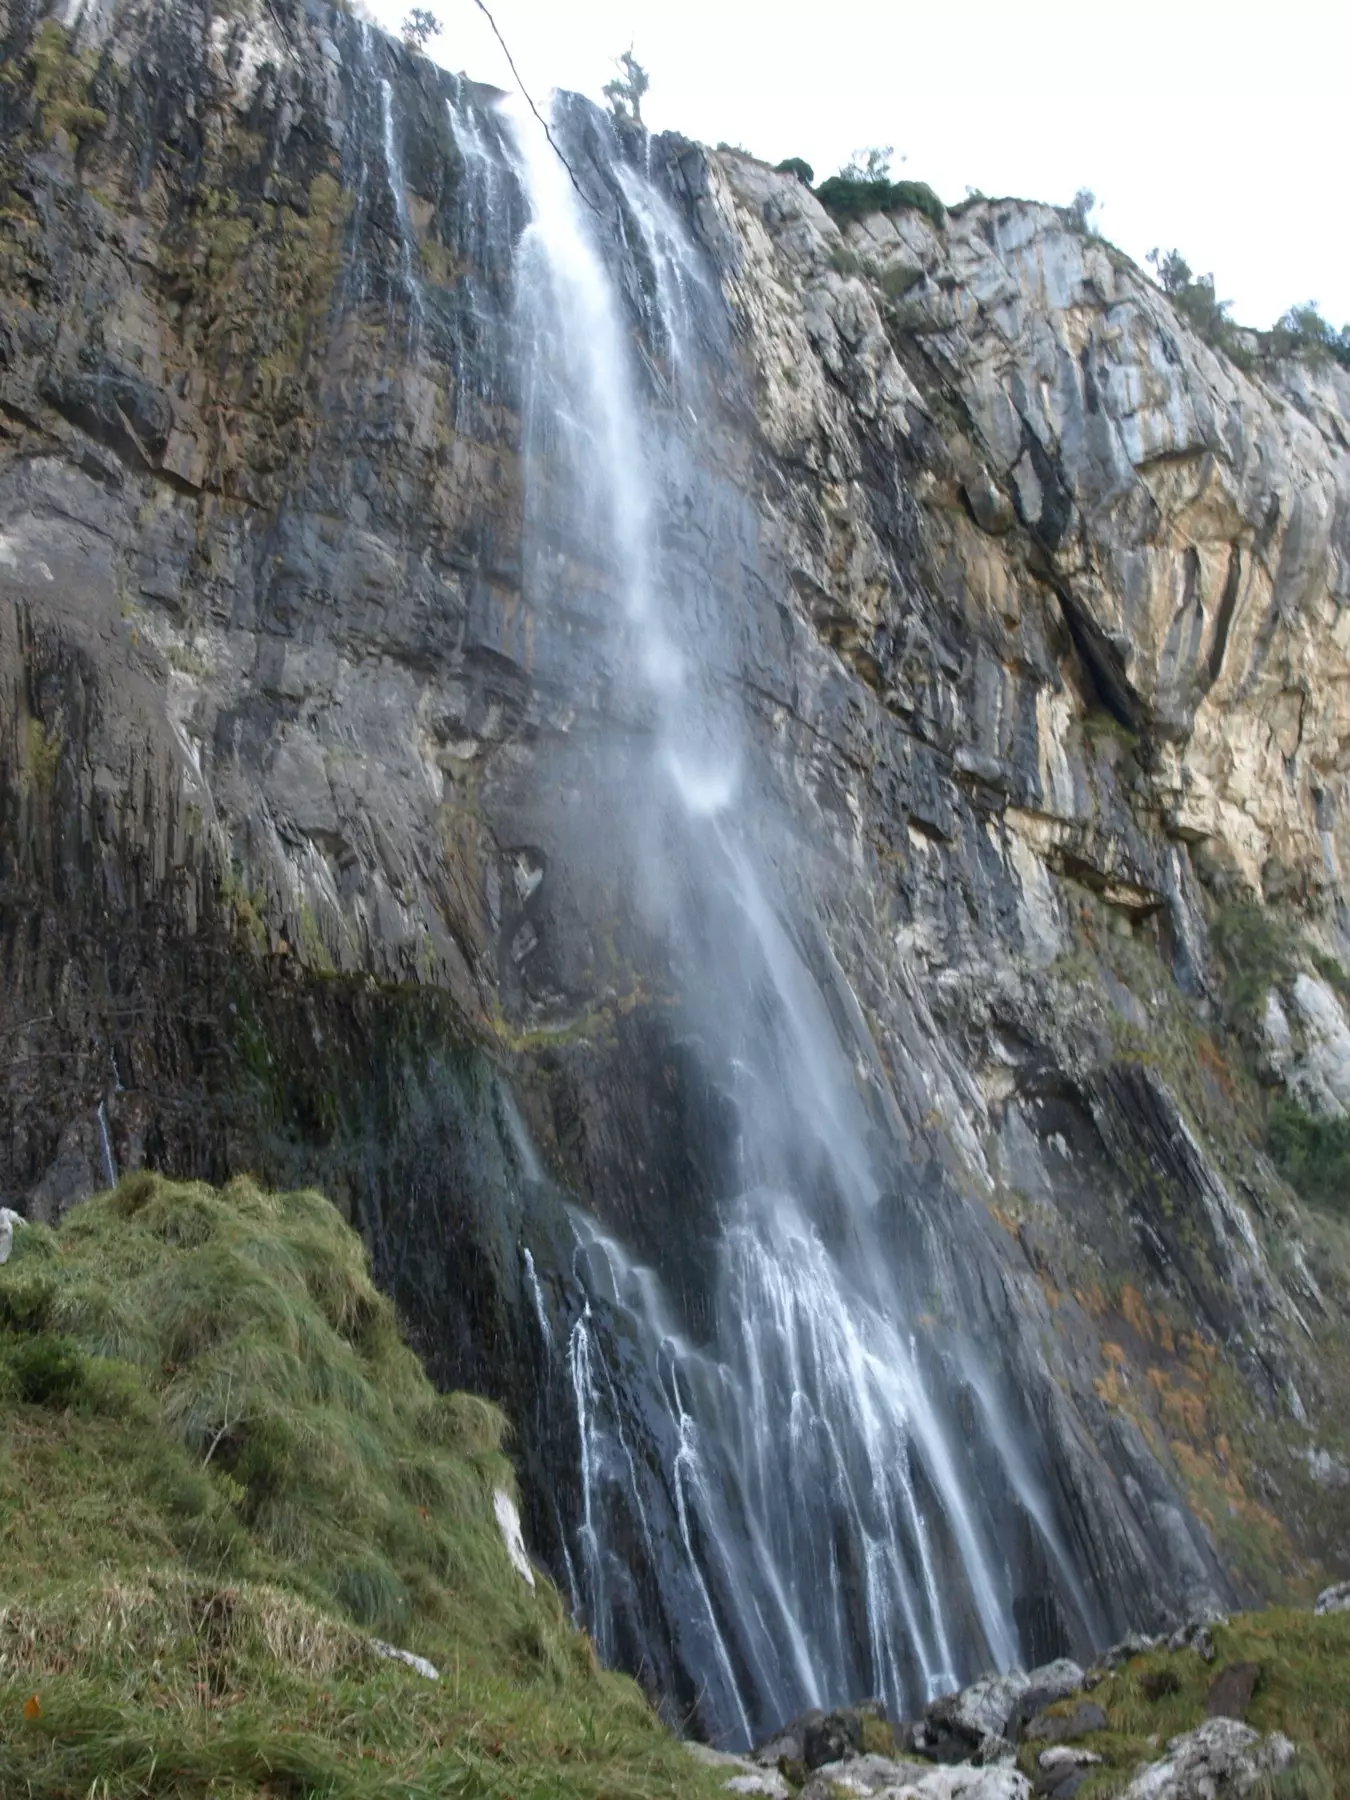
407,237
818,1495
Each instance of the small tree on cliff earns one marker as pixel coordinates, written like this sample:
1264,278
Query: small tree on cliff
625,91
873,164
1081,209
420,27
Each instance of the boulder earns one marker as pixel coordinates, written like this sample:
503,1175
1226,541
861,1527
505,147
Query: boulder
1221,1757
1197,1635
978,1722
1062,1769
815,1738
863,1778
1086,1717
741,1775
877,1778
1231,1691
1334,1599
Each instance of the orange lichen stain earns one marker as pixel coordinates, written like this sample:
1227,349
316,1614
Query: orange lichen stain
1114,1353
1166,1336
1093,1301
1137,1315
1210,1058
1005,1218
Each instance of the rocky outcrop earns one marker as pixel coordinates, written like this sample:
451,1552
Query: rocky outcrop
1035,607
1219,1757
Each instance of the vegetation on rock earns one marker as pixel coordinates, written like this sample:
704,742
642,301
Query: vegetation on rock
853,197
220,1468
1302,1690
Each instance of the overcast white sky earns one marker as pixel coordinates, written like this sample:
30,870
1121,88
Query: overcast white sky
1222,129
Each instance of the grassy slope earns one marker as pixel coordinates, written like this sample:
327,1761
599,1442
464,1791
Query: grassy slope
221,1471
1303,1691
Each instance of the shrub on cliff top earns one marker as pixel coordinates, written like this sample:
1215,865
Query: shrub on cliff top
847,196
220,1466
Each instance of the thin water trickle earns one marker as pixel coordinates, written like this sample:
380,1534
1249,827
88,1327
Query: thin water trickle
105,1146
407,237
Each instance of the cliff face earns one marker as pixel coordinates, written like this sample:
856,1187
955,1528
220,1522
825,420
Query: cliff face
1034,614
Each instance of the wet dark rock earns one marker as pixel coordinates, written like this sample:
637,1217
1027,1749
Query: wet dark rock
1062,1770
816,1737
1231,1691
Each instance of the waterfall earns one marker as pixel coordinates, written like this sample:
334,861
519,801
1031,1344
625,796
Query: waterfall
815,1497
407,237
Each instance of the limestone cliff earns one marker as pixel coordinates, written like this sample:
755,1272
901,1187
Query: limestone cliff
1039,610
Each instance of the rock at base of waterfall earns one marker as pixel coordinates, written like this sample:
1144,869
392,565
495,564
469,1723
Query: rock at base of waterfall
978,1723
1085,1718
1231,1691
815,1738
742,1775
1197,1635
1136,1643
878,1778
863,1778
1220,1757
1334,1599
1062,1769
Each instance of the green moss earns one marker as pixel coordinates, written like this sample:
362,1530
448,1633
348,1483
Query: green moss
1313,1155
61,81
1259,950
219,1466
44,756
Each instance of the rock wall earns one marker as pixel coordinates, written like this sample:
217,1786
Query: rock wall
1038,610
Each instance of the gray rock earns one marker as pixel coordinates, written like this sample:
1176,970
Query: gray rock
1221,1757
1231,1691
742,1775
863,1777
1334,1599
1197,1635
876,1778
1086,1717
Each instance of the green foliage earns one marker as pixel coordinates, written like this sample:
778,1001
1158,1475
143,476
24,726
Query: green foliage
1259,951
1081,209
219,1467
1312,1154
794,165
625,90
1195,298
847,196
61,82
1302,331
420,27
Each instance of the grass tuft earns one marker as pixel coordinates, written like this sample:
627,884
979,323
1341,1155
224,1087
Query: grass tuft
221,1468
